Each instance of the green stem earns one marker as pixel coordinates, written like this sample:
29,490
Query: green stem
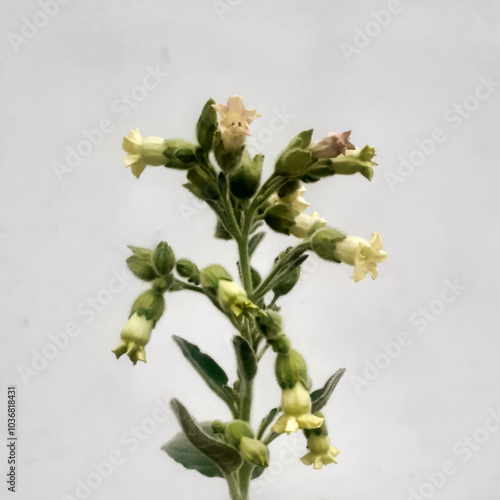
245,474
234,489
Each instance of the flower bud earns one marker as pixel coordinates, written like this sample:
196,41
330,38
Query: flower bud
164,258
245,181
161,285
281,344
236,430
207,125
281,218
211,275
188,269
218,427
269,322
286,284
254,451
293,162
233,298
290,368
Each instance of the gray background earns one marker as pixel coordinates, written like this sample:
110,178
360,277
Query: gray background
63,237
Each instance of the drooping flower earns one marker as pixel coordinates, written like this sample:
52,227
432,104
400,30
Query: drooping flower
235,122
332,145
134,337
233,298
296,405
363,255
303,224
320,451
143,151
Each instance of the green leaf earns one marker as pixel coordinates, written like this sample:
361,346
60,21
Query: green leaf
247,362
183,452
144,253
141,268
256,278
224,456
255,242
207,368
320,397
267,420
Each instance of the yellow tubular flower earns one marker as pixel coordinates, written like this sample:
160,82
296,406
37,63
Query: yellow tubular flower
296,405
303,224
320,451
233,298
363,255
143,151
134,337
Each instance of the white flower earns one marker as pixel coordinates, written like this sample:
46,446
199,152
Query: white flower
143,151
363,255
134,337
234,122
303,224
320,451
296,405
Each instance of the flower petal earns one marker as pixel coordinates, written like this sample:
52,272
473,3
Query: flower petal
309,421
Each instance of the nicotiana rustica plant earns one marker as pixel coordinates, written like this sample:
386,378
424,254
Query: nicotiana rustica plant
221,171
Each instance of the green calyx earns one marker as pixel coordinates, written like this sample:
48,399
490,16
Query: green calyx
324,242
269,323
207,126
189,270
291,368
281,218
179,154
245,180
150,304
164,259
236,430
211,275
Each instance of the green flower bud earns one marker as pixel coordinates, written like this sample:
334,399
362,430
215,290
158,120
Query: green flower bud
245,181
289,280
188,269
211,275
207,126
291,368
164,258
150,304
281,218
324,242
161,285
218,427
269,322
236,430
254,451
280,344
202,184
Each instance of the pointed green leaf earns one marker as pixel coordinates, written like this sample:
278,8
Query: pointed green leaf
266,421
207,368
320,397
247,362
141,268
255,242
183,452
144,253
224,456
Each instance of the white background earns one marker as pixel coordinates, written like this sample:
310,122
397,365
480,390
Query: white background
63,236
